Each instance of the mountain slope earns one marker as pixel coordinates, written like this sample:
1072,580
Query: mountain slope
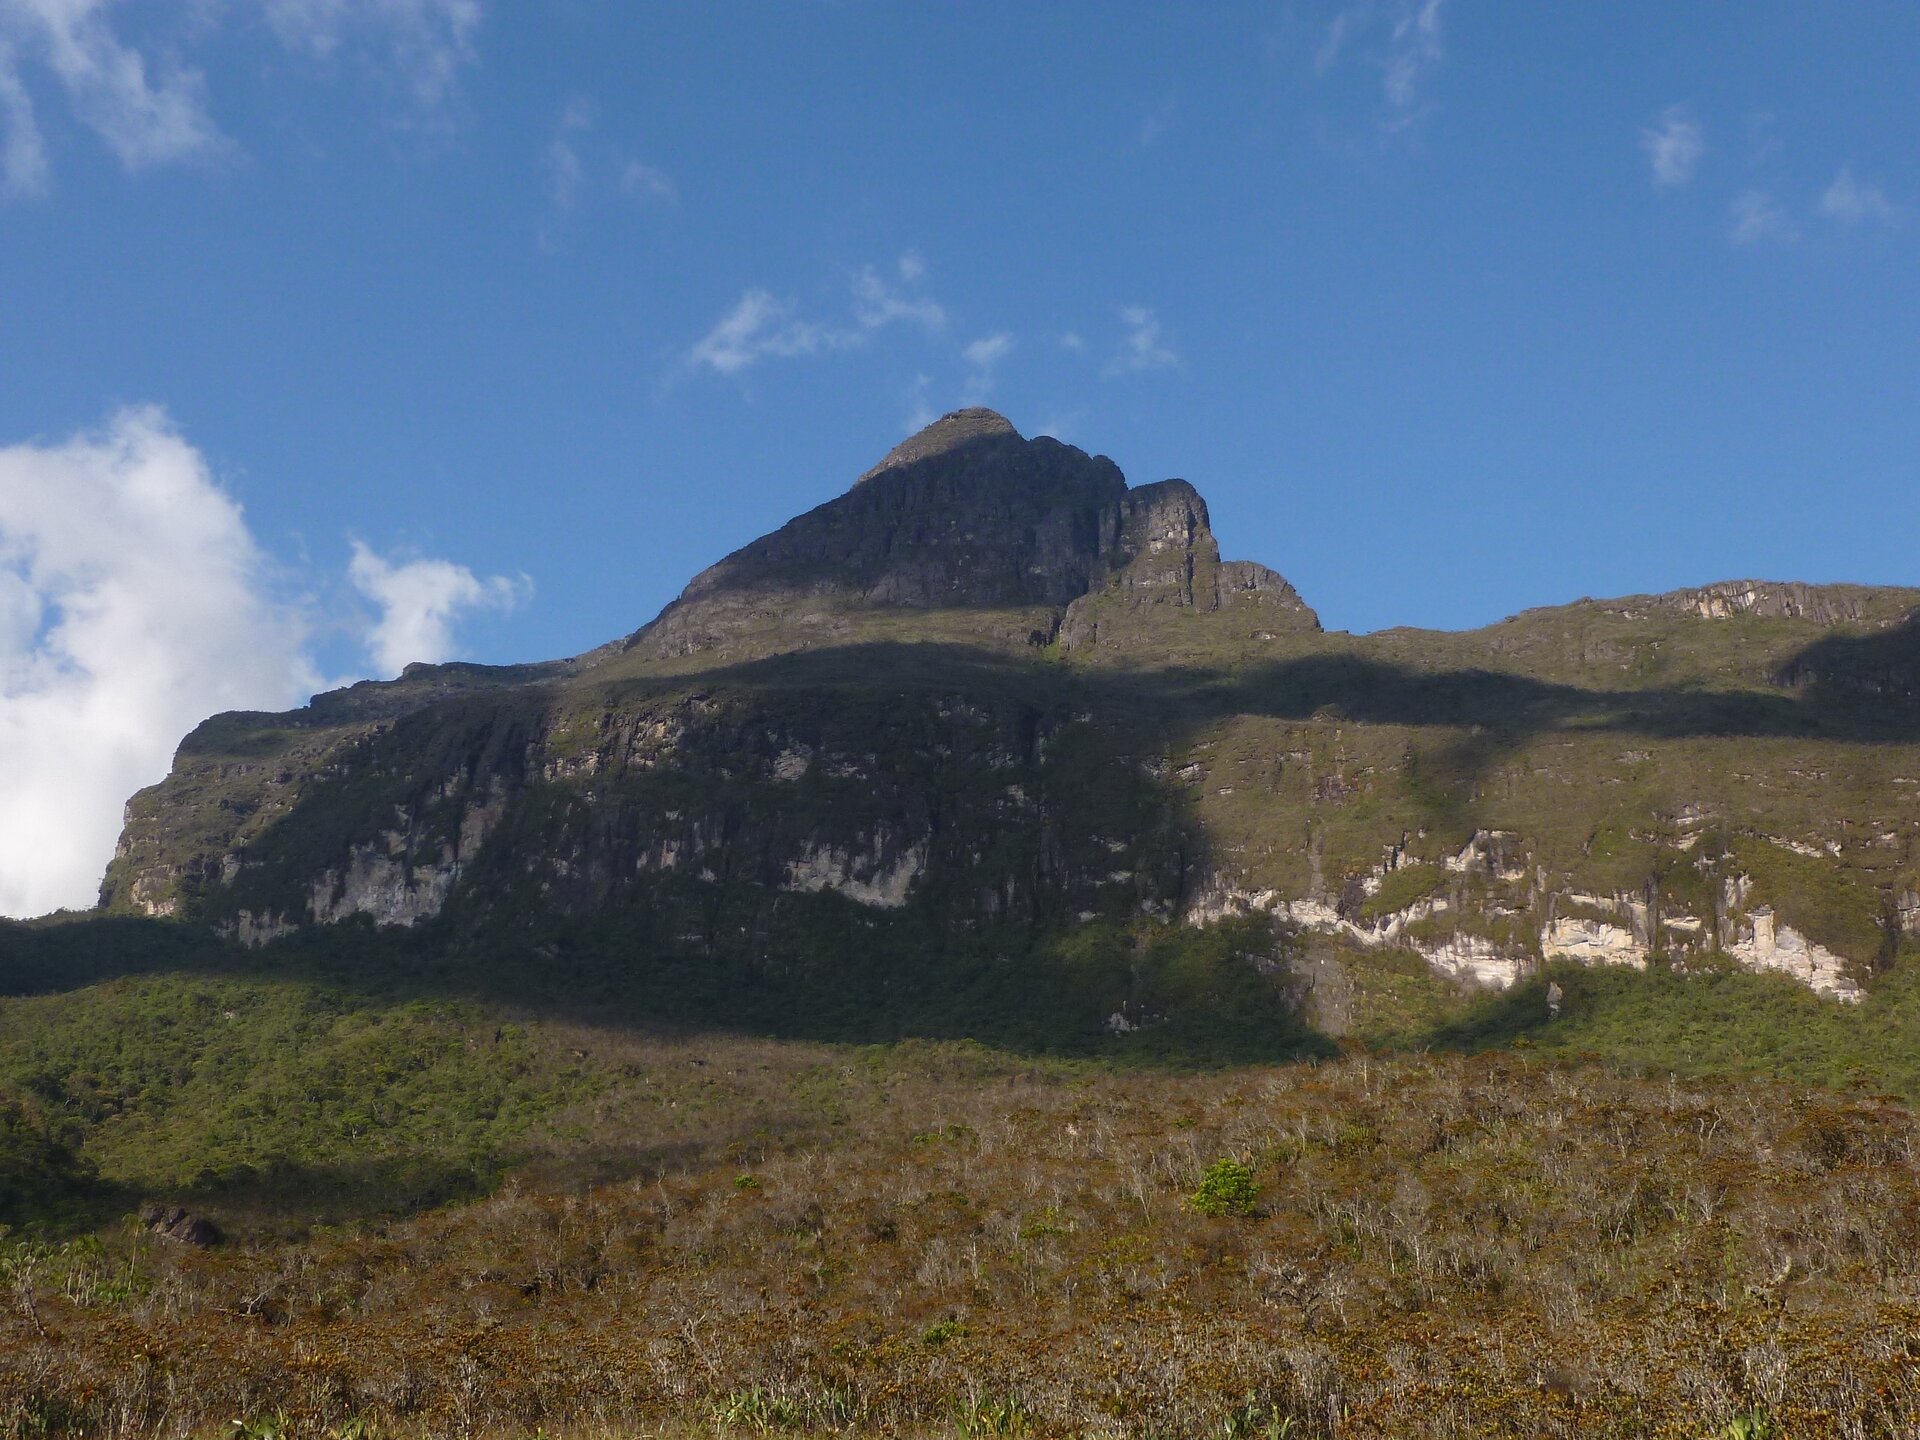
990,721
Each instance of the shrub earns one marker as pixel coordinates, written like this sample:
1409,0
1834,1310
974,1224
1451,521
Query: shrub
1226,1188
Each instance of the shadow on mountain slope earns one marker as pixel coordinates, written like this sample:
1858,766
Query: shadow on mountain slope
817,966
1840,670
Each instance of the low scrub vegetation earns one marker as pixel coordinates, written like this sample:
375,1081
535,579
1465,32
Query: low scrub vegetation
943,1240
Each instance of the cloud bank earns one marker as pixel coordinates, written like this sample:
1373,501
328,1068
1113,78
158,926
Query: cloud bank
135,602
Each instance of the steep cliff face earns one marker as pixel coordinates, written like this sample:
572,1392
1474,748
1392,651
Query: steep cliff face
991,698
967,515
1163,560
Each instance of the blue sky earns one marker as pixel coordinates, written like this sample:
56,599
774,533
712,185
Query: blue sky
1449,307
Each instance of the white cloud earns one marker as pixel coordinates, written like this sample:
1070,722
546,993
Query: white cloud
1335,40
877,304
1674,146
988,351
1142,349
146,114
1403,41
23,154
151,108
1414,49
568,160
920,411
426,43
133,604
1073,341
646,183
420,601
1756,218
562,160
759,325
984,355
1852,201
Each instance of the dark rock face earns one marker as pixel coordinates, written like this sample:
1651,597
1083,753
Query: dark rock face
1164,556
968,514
1004,543
171,1222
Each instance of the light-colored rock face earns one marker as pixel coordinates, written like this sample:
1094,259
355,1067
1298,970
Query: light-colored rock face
388,888
1592,942
1578,926
401,879
1475,960
1785,600
251,930
1769,946
879,874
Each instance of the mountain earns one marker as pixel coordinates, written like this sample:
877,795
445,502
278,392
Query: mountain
994,732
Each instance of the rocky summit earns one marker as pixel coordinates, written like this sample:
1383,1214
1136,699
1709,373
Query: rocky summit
993,725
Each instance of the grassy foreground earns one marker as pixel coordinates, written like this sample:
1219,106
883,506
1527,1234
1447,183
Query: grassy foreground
926,1239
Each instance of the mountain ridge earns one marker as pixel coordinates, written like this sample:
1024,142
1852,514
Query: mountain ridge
996,701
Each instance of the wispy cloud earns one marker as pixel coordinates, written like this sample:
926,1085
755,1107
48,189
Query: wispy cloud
878,302
1850,200
562,163
1142,348
757,326
983,357
1756,218
920,411
147,113
150,107
574,163
760,325
425,44
1402,41
1674,145
23,154
1415,48
1334,39
649,184
1159,120
420,601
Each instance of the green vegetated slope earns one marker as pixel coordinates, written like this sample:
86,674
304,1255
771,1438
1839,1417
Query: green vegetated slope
926,1240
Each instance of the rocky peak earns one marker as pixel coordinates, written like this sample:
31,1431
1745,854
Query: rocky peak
949,432
969,515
